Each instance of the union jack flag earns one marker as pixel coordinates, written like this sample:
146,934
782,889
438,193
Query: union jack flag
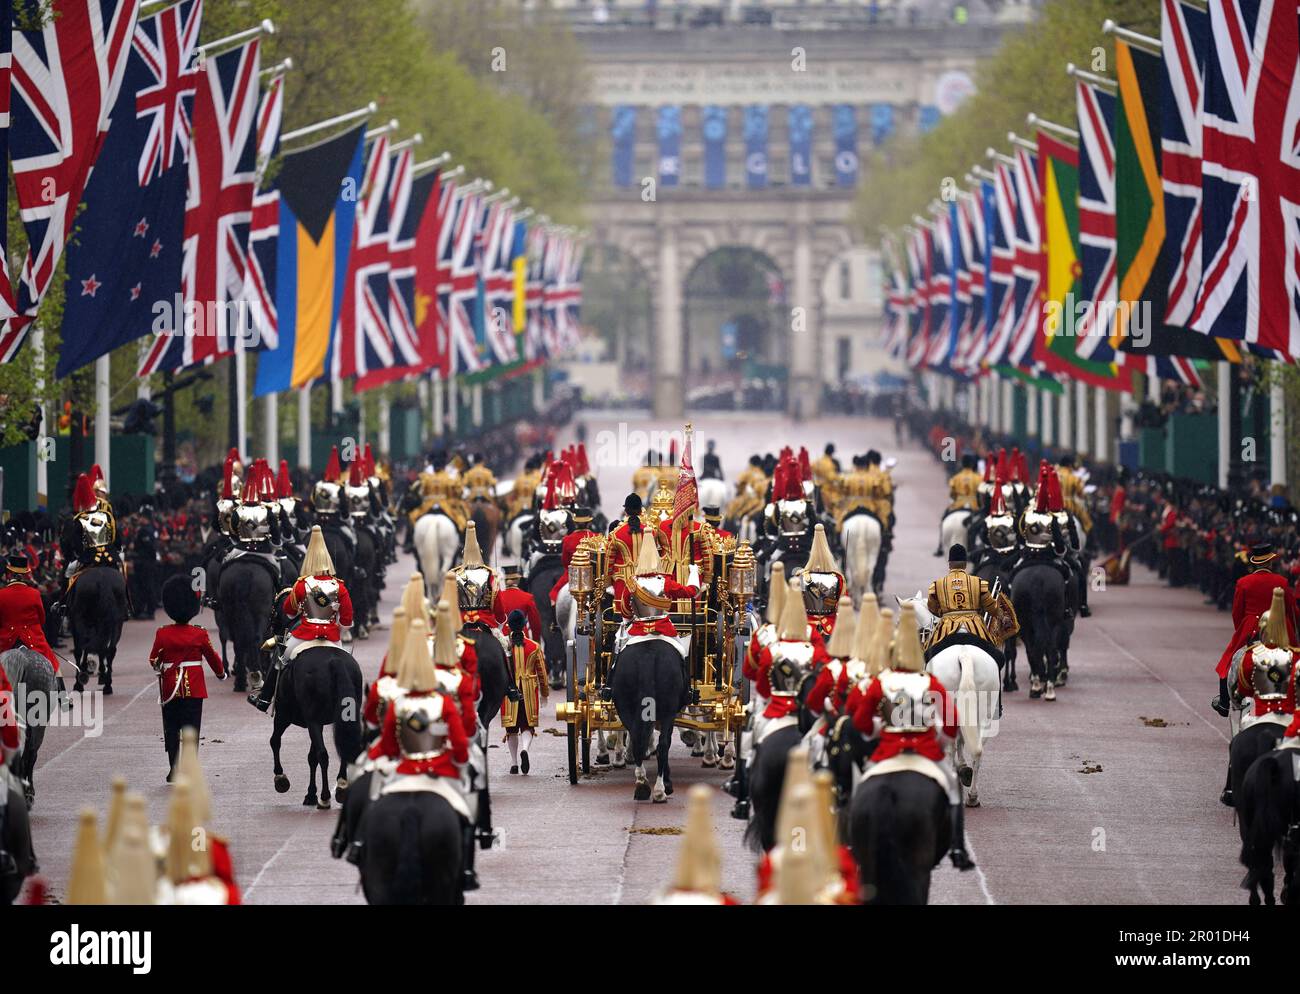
969,291
1098,246
8,306
1000,209
218,213
463,284
897,301
403,220
539,243
940,290
919,261
1185,39
441,219
563,296
65,80
1028,265
264,228
1251,176
499,284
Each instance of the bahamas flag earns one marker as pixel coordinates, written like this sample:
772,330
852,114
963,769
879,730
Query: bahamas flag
319,188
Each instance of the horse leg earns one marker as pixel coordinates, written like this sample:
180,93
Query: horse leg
602,748
710,750
317,733
277,733
637,739
1009,653
620,749
313,760
663,781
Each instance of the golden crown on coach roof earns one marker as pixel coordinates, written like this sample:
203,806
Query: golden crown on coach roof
417,673
908,656
776,590
882,643
794,623
864,633
841,643
1274,632
396,642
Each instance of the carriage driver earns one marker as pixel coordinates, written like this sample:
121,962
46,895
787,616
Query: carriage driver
318,607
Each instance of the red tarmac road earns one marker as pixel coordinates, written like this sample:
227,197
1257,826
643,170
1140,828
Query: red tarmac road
1145,827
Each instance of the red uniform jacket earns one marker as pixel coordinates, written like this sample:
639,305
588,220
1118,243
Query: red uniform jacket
567,549
666,528
517,599
892,743
663,626
178,654
370,713
467,699
445,763
22,615
1245,678
308,629
779,707
10,735
828,687
1254,596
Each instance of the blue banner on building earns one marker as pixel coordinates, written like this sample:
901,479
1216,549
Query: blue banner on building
623,135
930,117
846,144
756,146
882,123
669,130
801,126
715,147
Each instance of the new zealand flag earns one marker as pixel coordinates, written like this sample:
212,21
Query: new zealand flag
124,261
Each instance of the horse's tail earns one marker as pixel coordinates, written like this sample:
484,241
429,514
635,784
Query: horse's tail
855,547
409,871
1268,798
968,704
350,697
894,884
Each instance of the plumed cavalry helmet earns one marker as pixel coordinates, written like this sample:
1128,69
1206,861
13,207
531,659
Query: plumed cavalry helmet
357,492
473,577
396,643
317,561
416,672
699,861
864,632
444,642
999,524
185,861
841,643
881,643
451,594
83,494
822,582
908,656
326,496
648,560
776,593
413,598
1273,632
794,623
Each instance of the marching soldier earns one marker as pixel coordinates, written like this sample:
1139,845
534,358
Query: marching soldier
318,607
1252,597
178,654
520,713
959,601
910,709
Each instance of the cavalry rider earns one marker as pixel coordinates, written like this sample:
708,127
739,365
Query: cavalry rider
1040,529
1072,491
90,536
1252,597
581,530
822,585
318,607
330,502
959,600
826,478
751,490
1072,509
479,481
476,585
645,596
520,716
767,634
553,519
963,491
997,529
441,489
831,686
22,614
798,651
292,538
909,710
526,484
869,488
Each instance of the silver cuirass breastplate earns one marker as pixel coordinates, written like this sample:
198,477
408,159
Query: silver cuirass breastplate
1002,532
326,497
317,591
907,699
358,499
792,517
552,526
821,592
791,661
96,529
252,523
1270,676
474,588
1038,530
421,730
651,585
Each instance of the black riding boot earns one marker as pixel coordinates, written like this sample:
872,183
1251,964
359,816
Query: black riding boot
263,698
8,865
469,879
1220,704
1226,797
740,810
957,850
339,840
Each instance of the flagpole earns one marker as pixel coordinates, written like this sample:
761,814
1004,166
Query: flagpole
348,118
423,167
438,412
304,427
1104,82
996,156
267,27
1060,130
1225,422
241,400
103,401
1024,143
385,425
42,452
383,129
271,409
1134,38
279,69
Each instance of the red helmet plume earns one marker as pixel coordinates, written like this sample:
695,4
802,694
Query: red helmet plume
1003,470
266,486
333,468
83,494
559,486
997,505
284,485
1055,501
582,468
356,477
805,467
988,468
1022,470
367,462
1043,495
791,482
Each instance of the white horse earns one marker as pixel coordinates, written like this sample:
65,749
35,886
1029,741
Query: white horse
714,492
970,676
952,530
566,616
436,542
860,537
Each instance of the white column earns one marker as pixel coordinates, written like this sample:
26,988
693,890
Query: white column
439,425
1081,419
1128,406
1008,406
1066,424
539,390
385,424
1101,427
271,407
1225,427
48,431
805,374
1153,389
336,396
1031,411
453,403
241,401
304,427
476,404
668,392
361,420
1045,430
103,399
1277,433
973,402
143,388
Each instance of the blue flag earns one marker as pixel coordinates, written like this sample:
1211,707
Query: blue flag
715,147
801,126
623,134
124,262
846,145
669,130
756,146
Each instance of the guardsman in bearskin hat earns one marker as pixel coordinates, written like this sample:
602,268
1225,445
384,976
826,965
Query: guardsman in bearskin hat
520,716
822,585
178,654
1252,597
318,606
909,710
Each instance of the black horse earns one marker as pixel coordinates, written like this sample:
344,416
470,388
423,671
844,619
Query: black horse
97,610
997,566
17,842
899,830
411,850
1248,745
340,549
364,588
1269,808
322,686
32,677
1038,594
247,597
766,782
648,688
541,578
